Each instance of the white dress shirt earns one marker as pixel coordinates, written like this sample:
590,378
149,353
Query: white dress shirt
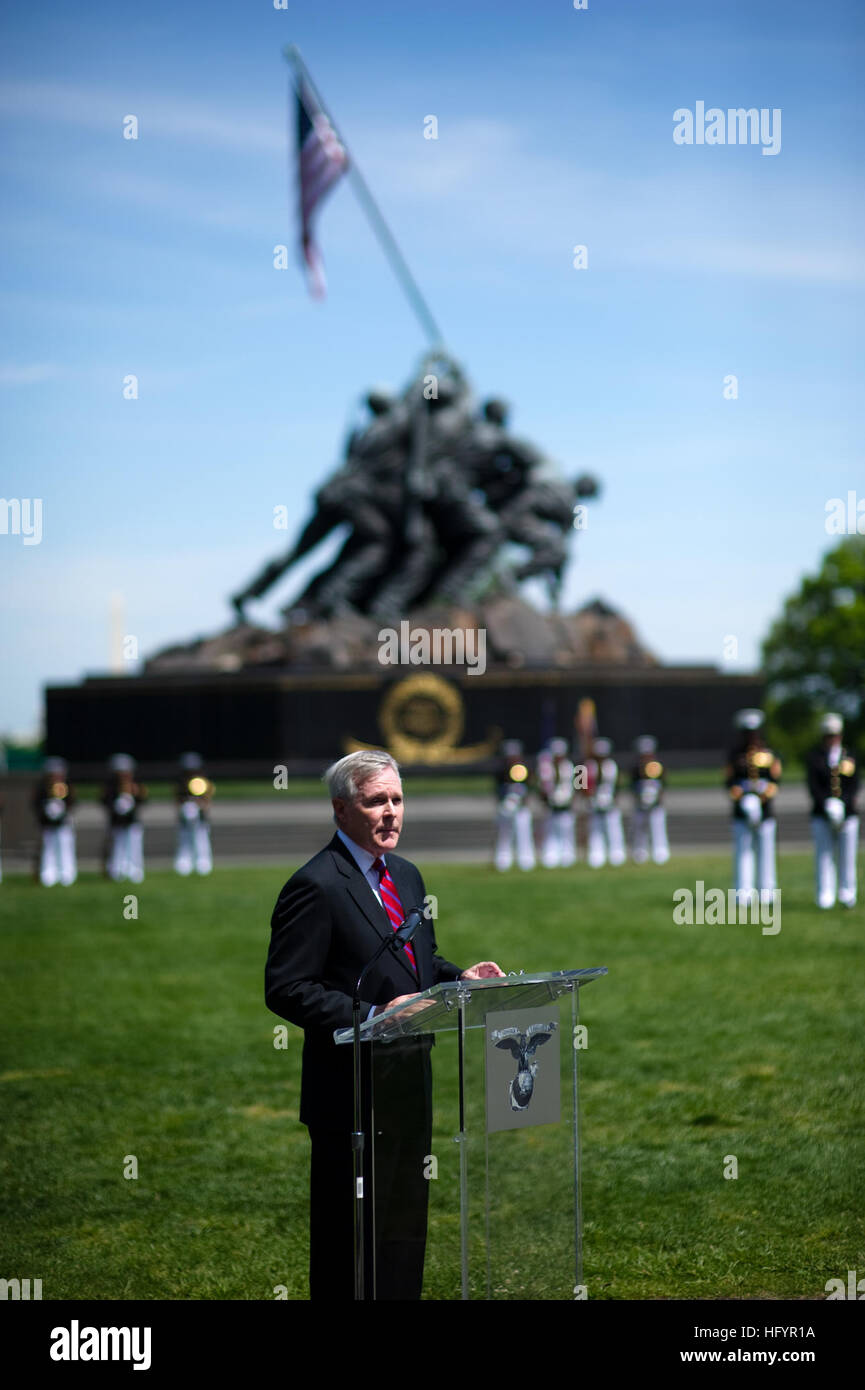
364,861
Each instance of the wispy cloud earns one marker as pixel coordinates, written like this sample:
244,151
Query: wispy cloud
157,114
492,184
772,259
204,205
493,181
28,374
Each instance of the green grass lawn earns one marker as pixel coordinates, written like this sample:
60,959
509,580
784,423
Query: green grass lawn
149,1038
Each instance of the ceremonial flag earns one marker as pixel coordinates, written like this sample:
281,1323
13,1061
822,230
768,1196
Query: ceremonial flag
322,160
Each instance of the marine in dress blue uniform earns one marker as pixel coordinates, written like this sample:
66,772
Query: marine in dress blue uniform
53,803
649,819
514,835
555,780
122,798
606,840
751,777
193,794
833,781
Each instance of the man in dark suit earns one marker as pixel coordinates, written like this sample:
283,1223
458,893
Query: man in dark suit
328,922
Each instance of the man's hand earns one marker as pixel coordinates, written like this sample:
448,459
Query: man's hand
404,999
484,970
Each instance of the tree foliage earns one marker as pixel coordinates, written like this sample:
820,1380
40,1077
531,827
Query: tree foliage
814,654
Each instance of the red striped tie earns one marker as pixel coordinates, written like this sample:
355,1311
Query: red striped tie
392,904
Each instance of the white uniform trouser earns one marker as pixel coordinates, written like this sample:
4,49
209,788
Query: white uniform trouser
754,856
649,826
606,838
835,860
126,854
57,862
514,831
193,848
559,844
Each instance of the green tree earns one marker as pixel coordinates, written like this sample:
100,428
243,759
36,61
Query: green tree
814,654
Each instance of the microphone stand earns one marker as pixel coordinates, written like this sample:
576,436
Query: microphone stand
394,942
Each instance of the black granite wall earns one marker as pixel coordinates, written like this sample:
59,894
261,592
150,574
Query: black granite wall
276,717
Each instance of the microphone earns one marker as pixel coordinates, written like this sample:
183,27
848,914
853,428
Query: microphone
394,941
405,931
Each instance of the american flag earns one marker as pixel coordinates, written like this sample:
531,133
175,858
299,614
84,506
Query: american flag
322,160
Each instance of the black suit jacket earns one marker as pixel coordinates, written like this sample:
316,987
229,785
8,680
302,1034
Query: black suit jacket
326,926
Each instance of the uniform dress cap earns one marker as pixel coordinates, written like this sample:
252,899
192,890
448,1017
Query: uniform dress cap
121,762
603,747
832,724
512,748
749,719
55,765
190,761
646,744
558,747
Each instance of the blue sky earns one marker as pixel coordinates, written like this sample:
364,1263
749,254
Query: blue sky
155,257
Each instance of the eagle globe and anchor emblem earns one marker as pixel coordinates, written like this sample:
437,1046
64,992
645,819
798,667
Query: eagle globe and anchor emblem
422,719
522,1047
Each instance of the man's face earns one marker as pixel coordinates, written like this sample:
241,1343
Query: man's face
373,819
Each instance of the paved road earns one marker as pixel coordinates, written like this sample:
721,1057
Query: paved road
287,830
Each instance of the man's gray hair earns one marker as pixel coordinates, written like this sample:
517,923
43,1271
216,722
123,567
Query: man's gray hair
345,778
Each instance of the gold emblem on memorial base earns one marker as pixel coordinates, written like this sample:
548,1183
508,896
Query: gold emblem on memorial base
422,719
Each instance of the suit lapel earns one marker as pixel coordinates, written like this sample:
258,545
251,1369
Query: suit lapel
358,889
365,900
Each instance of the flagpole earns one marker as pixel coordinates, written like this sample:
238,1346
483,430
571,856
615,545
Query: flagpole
382,230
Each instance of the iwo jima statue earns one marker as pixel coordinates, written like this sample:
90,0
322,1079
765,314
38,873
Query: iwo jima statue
445,513
446,510
434,493
440,513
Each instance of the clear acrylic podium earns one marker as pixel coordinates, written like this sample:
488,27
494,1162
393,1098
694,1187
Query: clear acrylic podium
488,1141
